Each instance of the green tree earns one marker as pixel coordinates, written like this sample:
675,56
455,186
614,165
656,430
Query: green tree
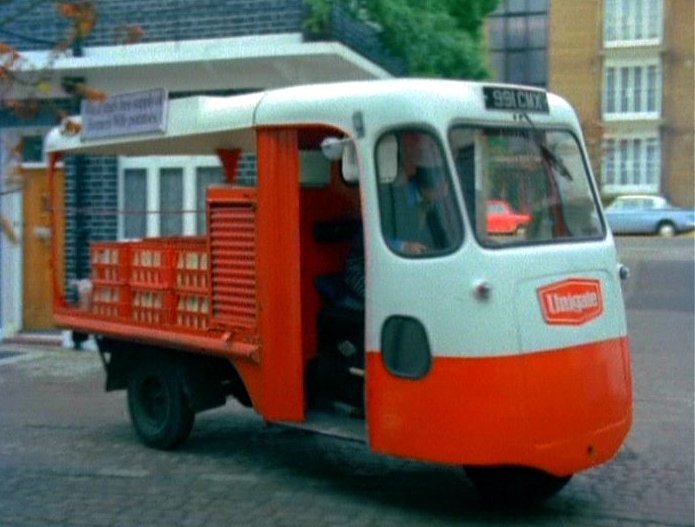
435,38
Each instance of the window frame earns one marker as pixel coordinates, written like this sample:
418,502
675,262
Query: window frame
153,165
450,179
499,27
592,186
648,182
619,87
615,17
15,135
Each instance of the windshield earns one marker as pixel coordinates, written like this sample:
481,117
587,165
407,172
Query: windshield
524,185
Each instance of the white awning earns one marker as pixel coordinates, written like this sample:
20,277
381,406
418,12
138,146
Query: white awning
238,63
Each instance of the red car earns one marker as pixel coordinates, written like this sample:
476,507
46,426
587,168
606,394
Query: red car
503,219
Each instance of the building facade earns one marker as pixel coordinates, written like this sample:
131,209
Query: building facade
628,69
517,39
187,47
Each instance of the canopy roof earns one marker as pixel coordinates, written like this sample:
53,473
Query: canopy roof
201,125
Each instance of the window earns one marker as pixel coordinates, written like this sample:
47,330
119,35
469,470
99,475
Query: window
631,164
171,201
631,90
165,196
523,186
518,42
417,204
32,149
134,203
629,21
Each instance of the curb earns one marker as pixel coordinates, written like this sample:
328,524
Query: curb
43,340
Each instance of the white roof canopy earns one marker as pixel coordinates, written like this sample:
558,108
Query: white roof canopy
238,63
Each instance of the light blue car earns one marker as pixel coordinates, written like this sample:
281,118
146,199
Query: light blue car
648,215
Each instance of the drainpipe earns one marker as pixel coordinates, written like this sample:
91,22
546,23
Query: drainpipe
70,85
81,229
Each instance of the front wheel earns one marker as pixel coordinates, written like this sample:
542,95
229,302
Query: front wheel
158,407
514,486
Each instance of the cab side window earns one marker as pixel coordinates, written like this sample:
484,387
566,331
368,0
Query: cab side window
419,215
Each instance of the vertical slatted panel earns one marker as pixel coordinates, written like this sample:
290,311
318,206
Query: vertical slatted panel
233,257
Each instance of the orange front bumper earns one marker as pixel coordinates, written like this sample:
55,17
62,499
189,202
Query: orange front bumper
560,411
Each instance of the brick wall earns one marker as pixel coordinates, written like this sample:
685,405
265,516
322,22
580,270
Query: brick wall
678,131
574,66
91,208
40,27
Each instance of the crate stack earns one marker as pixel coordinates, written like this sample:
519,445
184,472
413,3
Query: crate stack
160,282
151,283
111,296
191,286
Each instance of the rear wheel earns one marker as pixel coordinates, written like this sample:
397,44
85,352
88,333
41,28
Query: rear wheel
514,486
666,229
159,410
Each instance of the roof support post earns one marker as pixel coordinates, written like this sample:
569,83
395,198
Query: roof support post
278,275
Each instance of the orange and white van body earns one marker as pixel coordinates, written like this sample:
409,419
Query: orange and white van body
528,357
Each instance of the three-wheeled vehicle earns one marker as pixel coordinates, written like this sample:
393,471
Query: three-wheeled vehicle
357,287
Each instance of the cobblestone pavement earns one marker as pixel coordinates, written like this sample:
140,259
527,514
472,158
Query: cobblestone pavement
68,457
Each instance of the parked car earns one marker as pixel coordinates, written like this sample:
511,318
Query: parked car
503,219
638,214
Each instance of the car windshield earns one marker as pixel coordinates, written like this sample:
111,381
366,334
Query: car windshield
540,174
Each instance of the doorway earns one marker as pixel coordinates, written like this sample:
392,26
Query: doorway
37,294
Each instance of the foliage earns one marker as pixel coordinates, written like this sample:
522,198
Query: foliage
36,80
320,15
436,38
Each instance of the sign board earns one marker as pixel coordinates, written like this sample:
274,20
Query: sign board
127,114
515,99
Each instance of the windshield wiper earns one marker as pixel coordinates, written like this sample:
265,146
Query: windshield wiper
547,155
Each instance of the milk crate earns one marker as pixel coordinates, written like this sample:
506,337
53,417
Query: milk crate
152,305
151,264
192,311
110,261
191,268
110,300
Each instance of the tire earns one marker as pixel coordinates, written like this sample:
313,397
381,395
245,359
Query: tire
159,411
666,229
514,486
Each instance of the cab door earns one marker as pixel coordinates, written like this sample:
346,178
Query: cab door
415,293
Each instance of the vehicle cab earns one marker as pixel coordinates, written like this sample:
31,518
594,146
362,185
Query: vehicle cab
486,348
